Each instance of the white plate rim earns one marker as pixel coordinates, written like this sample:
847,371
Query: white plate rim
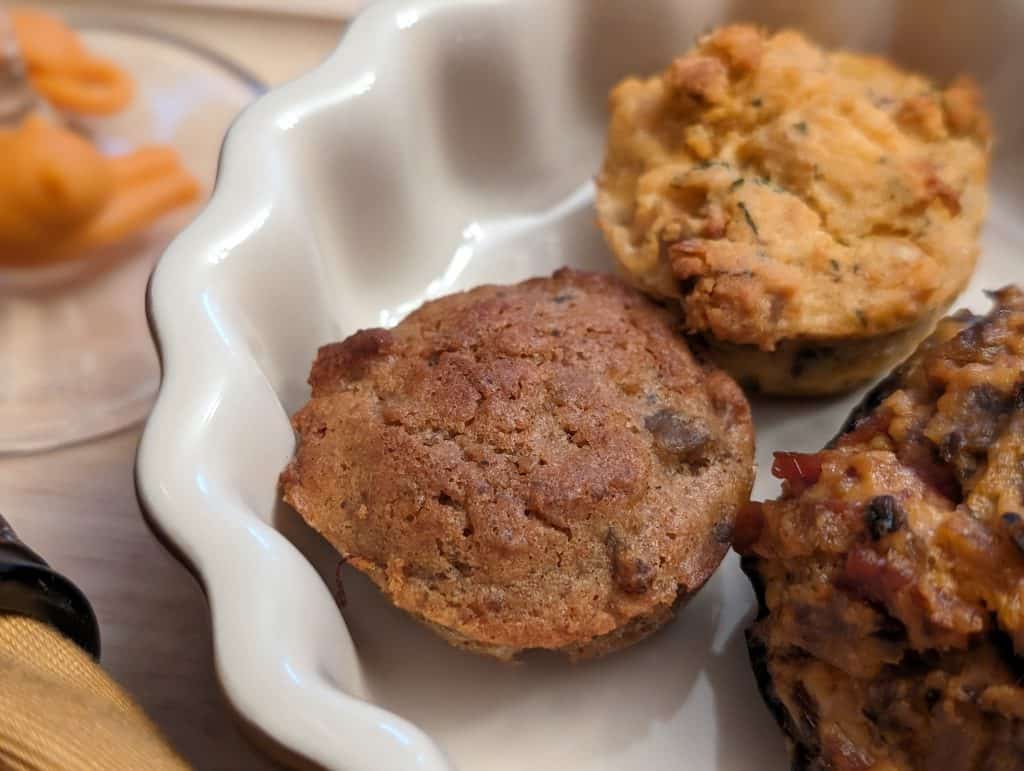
283,685
294,698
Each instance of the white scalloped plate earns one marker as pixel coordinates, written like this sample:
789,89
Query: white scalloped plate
447,143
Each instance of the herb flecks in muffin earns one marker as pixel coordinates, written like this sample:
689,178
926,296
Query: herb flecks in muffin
850,162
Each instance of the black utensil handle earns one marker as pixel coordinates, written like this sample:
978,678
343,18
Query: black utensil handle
29,587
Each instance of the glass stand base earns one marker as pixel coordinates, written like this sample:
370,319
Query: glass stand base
76,358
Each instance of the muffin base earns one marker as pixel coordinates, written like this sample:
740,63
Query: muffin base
637,629
818,368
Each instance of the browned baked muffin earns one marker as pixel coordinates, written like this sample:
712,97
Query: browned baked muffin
542,465
890,573
813,212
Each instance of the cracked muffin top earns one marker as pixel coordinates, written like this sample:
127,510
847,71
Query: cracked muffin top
542,465
891,571
782,192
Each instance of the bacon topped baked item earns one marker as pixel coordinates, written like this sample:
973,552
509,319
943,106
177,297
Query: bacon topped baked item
890,573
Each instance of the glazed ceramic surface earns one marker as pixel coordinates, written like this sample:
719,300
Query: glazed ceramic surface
448,143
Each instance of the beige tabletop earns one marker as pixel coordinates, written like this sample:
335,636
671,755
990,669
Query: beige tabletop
77,506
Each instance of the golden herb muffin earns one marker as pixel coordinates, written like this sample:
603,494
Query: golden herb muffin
814,213
890,573
542,465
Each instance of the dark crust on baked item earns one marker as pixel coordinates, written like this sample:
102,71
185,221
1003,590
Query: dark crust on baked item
542,465
890,573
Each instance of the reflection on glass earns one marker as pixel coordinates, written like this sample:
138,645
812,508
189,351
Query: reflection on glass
109,138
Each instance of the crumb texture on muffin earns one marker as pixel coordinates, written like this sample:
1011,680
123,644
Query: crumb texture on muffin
543,465
783,193
890,573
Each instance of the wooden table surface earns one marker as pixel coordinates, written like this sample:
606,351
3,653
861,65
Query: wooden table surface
77,506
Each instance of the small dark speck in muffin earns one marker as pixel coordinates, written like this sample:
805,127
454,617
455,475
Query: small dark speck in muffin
687,285
750,220
808,707
951,445
891,629
631,574
678,434
1015,526
809,356
883,516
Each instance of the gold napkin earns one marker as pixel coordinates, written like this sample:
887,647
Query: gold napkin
60,710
